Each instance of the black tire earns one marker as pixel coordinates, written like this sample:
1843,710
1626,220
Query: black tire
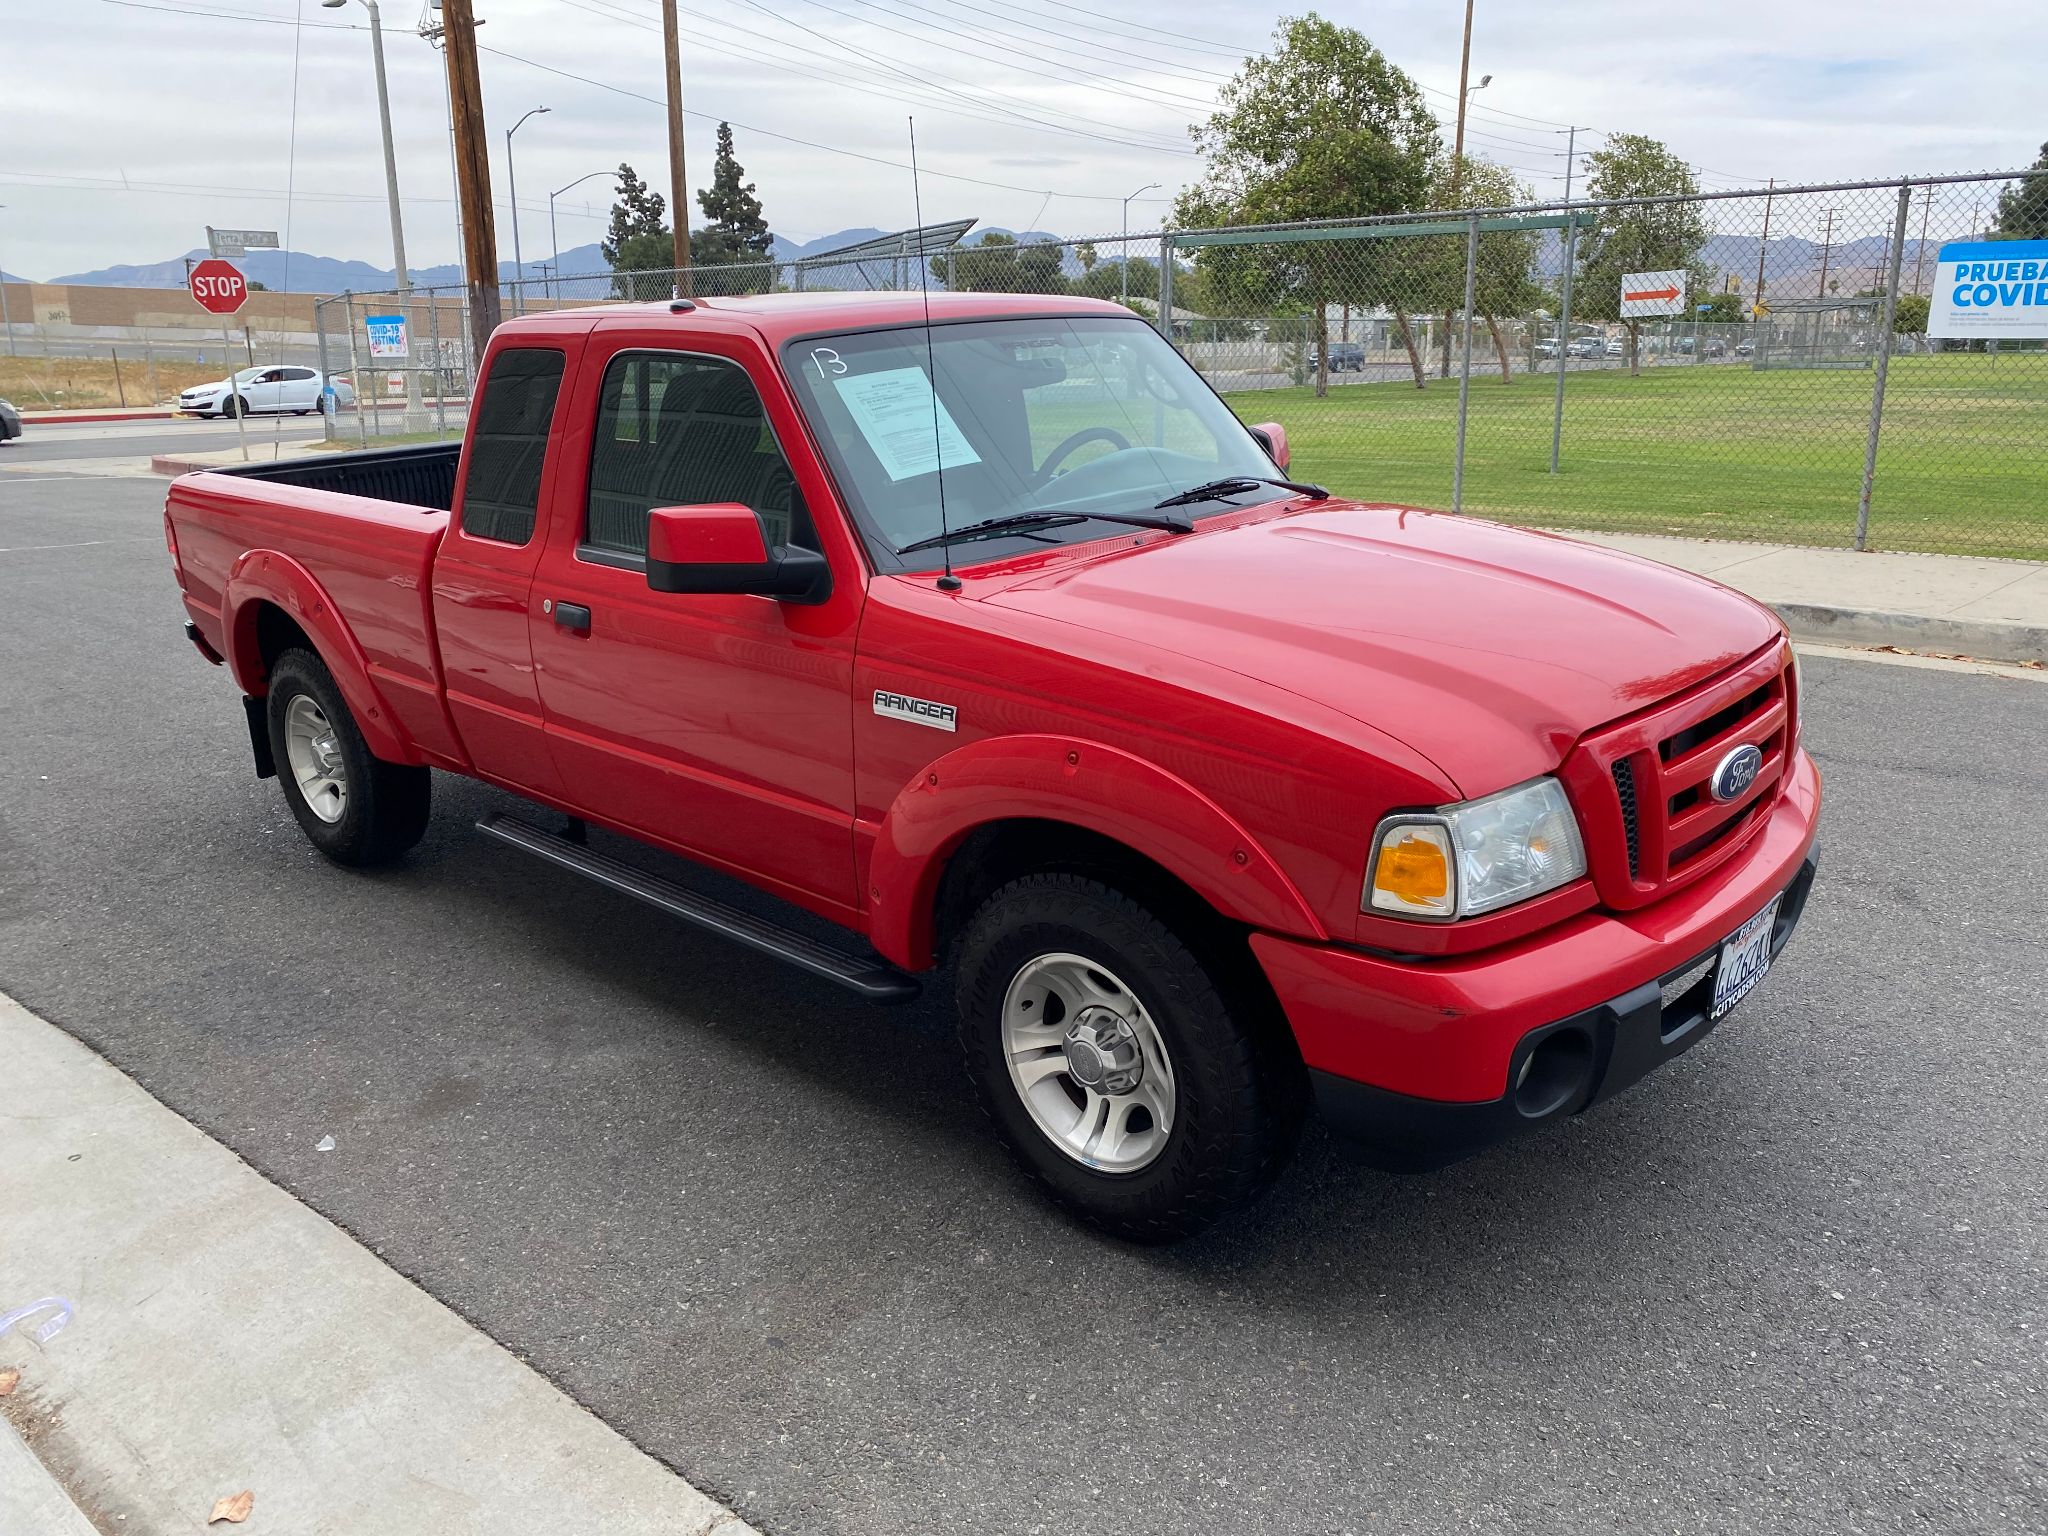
1234,1073
387,804
234,405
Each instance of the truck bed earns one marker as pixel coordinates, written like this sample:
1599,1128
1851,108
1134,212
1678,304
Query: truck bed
351,533
417,475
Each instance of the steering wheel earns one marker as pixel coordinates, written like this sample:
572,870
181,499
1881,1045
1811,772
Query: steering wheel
1080,439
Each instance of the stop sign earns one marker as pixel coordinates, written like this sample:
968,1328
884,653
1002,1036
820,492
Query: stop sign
218,287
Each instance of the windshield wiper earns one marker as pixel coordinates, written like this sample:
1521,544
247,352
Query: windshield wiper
1022,522
1235,485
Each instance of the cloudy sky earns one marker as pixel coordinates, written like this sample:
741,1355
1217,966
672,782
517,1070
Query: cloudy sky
126,127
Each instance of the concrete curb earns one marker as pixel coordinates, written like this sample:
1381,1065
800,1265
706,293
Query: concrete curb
1985,639
167,464
67,418
204,1332
31,1501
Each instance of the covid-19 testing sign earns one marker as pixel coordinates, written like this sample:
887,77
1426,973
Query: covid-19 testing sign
1987,289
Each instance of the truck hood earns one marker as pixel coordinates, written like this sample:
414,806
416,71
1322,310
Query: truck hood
1489,650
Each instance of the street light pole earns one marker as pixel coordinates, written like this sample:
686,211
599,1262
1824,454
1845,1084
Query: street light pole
555,240
1124,265
512,188
401,277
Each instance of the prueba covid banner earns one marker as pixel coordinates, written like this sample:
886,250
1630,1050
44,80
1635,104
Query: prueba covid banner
1990,288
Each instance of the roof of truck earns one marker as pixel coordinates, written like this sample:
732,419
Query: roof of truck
780,316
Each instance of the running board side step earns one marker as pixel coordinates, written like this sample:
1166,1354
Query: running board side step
869,975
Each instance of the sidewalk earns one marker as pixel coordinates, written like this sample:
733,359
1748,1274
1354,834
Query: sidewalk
1994,610
212,1335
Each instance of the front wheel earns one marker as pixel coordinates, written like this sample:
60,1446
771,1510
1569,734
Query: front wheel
354,807
234,405
1140,1086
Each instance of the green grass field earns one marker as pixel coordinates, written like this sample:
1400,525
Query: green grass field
1716,451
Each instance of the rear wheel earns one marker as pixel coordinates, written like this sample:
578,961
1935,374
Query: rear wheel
1136,1083
352,806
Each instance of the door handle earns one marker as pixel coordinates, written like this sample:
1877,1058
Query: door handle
573,616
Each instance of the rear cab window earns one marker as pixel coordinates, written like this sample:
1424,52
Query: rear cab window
508,444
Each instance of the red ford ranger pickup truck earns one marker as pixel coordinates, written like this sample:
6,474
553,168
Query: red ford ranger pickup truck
1217,794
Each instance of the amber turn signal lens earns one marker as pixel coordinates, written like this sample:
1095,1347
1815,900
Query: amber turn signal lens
1413,869
1411,874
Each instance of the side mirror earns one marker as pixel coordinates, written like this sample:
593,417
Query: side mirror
1273,438
721,549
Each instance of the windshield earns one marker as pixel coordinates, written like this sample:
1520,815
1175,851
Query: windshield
250,375
1061,415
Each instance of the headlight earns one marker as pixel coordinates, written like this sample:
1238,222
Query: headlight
1462,860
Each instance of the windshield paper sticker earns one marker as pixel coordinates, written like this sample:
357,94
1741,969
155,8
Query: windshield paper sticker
893,410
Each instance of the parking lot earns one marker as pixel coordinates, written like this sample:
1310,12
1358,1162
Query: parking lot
1795,1282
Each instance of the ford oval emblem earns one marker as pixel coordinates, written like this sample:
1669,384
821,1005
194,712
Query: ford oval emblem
1736,772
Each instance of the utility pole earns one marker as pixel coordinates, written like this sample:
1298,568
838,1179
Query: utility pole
1827,242
678,182
1756,306
1458,152
1564,308
402,278
473,172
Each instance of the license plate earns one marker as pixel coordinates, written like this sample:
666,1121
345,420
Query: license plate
1745,960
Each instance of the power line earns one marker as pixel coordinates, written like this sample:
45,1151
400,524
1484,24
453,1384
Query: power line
1012,116
787,138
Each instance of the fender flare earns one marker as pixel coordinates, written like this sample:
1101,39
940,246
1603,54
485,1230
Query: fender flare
265,576
1085,784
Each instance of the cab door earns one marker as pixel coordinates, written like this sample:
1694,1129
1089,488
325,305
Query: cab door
718,726
483,572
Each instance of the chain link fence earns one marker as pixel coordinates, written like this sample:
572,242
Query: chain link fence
1482,361
1443,360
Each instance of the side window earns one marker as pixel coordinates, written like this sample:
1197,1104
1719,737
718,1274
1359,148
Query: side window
678,431
298,375
508,443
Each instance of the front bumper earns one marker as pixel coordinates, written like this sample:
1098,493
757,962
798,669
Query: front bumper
1421,1060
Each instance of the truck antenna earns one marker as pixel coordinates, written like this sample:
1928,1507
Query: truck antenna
947,582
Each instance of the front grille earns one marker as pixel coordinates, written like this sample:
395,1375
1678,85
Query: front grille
1625,788
1663,826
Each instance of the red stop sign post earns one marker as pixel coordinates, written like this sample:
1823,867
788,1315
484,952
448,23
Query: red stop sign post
217,287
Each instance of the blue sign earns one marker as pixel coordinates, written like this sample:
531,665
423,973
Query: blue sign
1990,288
387,335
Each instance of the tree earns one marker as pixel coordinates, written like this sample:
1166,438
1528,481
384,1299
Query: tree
1503,277
1722,309
734,231
998,264
1909,316
638,239
2023,206
645,266
1321,127
1107,280
1085,253
1653,238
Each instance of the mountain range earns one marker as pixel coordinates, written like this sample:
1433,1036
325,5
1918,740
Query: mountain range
307,272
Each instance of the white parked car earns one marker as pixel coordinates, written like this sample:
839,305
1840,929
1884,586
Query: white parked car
260,391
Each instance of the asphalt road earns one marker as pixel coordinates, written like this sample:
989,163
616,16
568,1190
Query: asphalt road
120,442
1792,1283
